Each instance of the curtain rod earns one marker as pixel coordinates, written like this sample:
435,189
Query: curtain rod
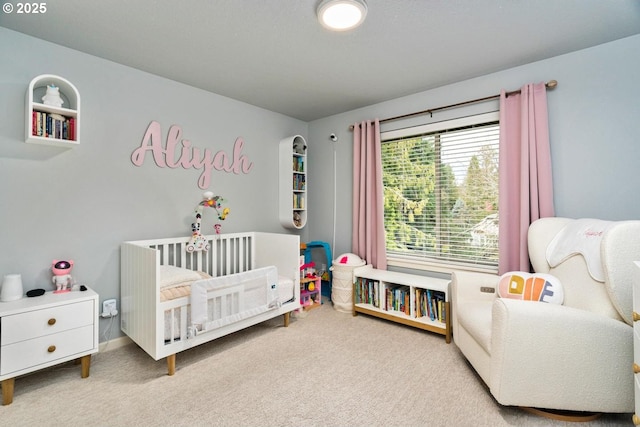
549,85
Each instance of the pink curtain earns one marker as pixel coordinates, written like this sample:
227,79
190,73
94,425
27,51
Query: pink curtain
368,240
526,188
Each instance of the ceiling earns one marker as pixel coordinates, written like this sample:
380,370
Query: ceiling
274,54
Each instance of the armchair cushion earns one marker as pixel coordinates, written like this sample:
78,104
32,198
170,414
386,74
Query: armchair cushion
559,357
476,319
531,287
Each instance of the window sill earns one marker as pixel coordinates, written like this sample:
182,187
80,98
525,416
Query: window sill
438,267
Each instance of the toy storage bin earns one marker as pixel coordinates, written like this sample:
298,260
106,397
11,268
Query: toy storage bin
342,289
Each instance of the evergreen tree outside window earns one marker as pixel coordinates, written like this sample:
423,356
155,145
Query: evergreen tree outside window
441,192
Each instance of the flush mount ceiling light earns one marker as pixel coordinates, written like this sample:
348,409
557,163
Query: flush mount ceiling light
341,15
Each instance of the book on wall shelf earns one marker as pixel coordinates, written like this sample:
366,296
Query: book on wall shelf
49,125
298,201
299,182
298,163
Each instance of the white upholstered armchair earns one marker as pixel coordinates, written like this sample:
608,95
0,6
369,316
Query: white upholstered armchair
576,356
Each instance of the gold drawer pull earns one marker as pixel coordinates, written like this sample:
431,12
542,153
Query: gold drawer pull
636,368
636,316
51,348
51,322
636,419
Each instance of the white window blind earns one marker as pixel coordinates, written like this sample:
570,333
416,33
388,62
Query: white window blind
441,191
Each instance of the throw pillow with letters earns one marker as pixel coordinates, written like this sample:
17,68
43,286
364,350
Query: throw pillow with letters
531,287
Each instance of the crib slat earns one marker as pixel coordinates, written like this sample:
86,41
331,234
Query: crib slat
240,259
183,322
215,266
172,315
229,257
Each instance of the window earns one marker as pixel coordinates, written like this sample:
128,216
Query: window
441,193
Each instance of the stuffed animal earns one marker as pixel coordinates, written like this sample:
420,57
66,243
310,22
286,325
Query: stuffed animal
299,146
61,277
197,242
52,96
297,219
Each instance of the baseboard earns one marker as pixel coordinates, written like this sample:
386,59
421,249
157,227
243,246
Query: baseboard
115,343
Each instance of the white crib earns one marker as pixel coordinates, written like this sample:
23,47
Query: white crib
162,328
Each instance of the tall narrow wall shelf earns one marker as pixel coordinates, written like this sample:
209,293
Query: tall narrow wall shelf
293,182
38,114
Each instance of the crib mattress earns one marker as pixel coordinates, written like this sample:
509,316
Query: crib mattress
175,282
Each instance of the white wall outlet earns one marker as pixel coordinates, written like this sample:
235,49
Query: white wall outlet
109,308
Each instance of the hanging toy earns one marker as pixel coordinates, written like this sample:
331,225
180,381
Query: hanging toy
198,242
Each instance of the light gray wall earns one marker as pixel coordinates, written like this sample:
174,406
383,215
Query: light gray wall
81,203
594,115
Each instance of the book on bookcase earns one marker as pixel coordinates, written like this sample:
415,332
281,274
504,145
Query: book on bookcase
430,303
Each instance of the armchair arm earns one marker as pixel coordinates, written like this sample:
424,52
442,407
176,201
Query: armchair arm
469,286
553,356
471,289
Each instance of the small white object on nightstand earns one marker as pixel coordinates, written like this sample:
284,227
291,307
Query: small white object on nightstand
11,288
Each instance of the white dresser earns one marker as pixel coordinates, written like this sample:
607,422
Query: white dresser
43,331
636,342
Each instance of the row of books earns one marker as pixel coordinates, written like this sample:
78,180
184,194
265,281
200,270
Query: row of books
53,126
367,291
299,182
397,298
431,304
428,302
298,164
298,201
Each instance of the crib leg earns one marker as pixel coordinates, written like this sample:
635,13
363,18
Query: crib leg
171,364
287,317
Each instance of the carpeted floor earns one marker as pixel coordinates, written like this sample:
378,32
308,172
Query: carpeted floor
326,369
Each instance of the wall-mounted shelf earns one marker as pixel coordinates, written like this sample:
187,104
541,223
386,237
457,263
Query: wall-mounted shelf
293,182
48,124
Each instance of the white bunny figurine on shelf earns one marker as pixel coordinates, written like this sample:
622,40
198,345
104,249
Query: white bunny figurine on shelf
52,97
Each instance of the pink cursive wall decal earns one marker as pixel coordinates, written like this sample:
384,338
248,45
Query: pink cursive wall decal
189,157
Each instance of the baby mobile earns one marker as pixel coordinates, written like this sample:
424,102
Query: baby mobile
198,242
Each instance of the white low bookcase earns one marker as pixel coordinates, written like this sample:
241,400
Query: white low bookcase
413,300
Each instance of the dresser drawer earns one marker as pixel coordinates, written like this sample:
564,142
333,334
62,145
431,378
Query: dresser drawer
45,349
636,289
636,384
636,342
47,321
